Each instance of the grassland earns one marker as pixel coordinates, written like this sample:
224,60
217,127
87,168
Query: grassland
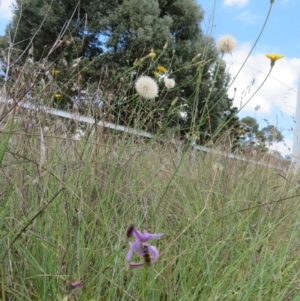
231,229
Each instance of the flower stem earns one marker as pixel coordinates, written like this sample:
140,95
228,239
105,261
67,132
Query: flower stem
257,39
257,89
224,124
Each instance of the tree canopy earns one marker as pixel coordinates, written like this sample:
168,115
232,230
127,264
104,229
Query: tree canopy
260,138
107,37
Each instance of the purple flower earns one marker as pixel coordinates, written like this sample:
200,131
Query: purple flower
75,285
144,250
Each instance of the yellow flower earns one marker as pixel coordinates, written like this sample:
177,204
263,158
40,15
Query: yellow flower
161,69
57,95
156,74
55,71
274,57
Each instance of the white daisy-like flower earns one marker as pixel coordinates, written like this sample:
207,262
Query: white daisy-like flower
146,87
226,44
169,83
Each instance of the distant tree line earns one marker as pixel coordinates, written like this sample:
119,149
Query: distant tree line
260,139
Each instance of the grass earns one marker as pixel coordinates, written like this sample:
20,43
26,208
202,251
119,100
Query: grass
230,233
230,228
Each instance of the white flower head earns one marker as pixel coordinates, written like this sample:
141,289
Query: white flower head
183,115
226,44
162,77
146,87
169,83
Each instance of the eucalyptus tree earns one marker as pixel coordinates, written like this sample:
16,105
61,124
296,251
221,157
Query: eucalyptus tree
105,38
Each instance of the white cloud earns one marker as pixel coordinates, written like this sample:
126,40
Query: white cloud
5,9
285,148
239,3
280,89
248,17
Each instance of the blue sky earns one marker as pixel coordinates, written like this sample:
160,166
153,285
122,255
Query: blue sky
244,19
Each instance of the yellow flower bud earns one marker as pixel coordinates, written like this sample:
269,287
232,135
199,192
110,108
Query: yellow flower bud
174,101
166,45
197,56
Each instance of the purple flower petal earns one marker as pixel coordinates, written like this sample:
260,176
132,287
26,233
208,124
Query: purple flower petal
145,236
138,235
140,243
133,247
130,230
152,236
154,253
75,285
135,265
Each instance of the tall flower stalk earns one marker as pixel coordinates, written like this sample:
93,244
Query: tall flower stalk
256,41
243,64
273,58
225,44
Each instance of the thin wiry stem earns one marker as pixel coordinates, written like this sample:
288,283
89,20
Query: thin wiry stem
28,224
257,39
225,123
31,40
257,89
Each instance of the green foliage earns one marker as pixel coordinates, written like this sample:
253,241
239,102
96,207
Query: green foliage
130,36
271,134
230,232
252,125
8,125
41,23
264,137
232,125
133,27
3,58
127,31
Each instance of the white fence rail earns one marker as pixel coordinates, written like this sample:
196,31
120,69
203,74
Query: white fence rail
90,120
